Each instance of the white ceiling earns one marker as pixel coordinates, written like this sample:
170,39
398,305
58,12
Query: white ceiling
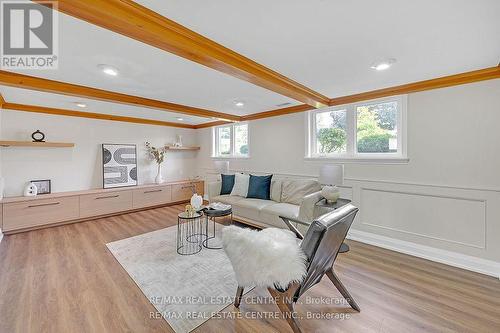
149,72
327,45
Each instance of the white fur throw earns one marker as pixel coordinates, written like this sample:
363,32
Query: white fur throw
264,258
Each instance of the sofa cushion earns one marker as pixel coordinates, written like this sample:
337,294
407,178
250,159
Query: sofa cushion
276,190
259,187
250,208
227,199
294,190
271,214
240,187
227,184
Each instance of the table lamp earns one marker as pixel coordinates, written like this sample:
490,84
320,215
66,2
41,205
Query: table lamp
221,167
331,175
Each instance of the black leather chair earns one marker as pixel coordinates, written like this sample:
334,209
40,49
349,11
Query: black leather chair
321,245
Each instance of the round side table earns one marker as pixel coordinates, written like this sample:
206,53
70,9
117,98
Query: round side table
190,235
210,230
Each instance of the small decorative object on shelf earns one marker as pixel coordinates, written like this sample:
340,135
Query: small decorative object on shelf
42,186
38,136
178,143
158,155
30,190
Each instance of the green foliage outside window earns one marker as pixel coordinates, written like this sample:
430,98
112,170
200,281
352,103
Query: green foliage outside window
331,140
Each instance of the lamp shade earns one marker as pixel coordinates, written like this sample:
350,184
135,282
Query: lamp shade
331,174
221,166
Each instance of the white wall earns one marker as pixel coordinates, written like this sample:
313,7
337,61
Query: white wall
446,197
80,168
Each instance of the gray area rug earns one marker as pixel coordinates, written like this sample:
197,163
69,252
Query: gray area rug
186,290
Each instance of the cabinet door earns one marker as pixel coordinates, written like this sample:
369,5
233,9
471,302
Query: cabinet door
19,215
183,192
153,196
105,203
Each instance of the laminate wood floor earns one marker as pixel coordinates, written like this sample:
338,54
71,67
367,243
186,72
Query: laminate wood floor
64,279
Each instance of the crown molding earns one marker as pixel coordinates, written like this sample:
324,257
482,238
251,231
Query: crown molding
90,115
441,82
35,83
140,23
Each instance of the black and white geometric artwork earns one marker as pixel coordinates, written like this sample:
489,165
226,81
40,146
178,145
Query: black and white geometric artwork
119,164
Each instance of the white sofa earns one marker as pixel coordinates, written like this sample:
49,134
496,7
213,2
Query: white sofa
266,213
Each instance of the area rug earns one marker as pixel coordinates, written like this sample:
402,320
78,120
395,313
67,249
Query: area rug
185,290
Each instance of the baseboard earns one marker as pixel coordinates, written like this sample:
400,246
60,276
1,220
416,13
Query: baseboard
463,261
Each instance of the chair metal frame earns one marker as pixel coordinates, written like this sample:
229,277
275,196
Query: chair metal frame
286,299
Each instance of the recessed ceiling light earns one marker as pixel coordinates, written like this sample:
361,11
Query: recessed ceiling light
239,104
382,65
109,70
81,105
180,119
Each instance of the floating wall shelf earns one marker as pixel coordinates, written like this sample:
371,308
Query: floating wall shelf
181,148
4,143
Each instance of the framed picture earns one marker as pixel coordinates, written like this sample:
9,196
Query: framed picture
42,186
119,165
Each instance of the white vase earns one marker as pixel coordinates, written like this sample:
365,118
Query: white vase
159,177
196,201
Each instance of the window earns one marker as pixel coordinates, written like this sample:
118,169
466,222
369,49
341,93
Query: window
367,130
231,141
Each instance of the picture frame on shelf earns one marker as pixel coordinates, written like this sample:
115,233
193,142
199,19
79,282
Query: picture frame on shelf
43,186
119,165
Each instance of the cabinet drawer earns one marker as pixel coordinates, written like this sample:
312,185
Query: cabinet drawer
39,212
152,196
182,192
105,203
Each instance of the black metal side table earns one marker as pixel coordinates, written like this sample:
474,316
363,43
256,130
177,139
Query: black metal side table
210,230
190,235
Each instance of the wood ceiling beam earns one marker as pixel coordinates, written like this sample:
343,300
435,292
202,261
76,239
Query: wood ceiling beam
212,124
140,23
90,115
277,112
2,101
442,82
57,87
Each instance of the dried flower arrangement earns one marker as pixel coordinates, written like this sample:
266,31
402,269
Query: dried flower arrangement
156,154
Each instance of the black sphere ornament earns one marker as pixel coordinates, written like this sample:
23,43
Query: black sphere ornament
38,136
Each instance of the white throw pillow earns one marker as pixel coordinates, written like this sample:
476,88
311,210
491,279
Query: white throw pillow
240,187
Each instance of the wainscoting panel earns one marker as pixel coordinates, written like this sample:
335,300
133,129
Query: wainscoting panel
444,218
456,225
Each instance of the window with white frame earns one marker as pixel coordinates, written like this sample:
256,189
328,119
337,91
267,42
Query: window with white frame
231,141
366,130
